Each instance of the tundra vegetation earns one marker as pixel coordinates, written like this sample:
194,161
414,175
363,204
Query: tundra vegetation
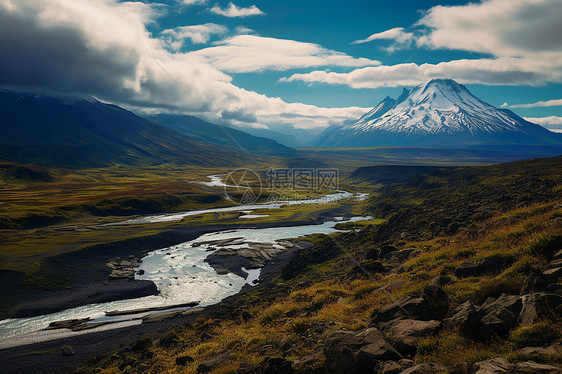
463,273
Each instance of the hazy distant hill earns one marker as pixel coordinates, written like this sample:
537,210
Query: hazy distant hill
221,135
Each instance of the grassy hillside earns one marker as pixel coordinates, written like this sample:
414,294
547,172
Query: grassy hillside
508,214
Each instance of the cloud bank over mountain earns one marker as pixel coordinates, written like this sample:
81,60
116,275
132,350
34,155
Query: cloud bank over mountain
113,51
521,37
103,48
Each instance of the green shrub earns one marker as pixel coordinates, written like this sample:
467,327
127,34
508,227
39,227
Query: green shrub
537,335
501,284
272,314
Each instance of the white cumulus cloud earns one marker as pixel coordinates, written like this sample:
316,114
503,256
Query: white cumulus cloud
398,34
193,2
102,48
522,38
502,71
235,11
198,34
250,53
539,104
553,123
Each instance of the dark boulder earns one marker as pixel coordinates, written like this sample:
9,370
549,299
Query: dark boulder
67,350
493,366
530,367
385,249
496,317
538,307
438,301
406,332
534,283
276,365
475,269
373,254
491,265
427,368
390,367
368,267
397,256
141,345
467,269
442,280
351,352
466,318
183,360
500,315
404,308
310,360
169,339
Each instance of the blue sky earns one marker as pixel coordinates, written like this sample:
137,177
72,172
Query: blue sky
285,64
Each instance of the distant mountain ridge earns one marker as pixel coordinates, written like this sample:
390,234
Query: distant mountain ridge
440,112
221,135
76,132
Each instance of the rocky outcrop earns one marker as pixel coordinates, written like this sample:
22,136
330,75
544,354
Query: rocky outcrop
530,367
443,280
476,269
499,315
390,367
231,256
404,308
427,368
123,269
492,366
540,307
396,257
405,333
534,283
352,352
466,318
67,350
500,366
496,317
555,348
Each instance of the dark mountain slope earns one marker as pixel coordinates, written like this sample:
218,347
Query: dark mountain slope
52,131
447,199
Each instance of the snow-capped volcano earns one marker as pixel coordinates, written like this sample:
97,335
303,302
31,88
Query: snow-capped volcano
440,112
